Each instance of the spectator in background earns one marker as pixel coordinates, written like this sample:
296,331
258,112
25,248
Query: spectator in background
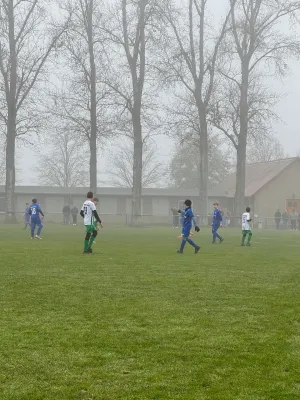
66,212
277,217
74,213
174,211
285,219
228,216
27,216
294,218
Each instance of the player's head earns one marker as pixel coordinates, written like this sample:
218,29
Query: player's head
188,203
34,201
27,204
90,195
216,205
248,209
95,200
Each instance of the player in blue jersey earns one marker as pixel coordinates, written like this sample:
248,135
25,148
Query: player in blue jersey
36,218
188,220
216,223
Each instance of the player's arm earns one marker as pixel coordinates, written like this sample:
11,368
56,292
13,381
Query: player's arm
97,217
82,213
249,219
197,229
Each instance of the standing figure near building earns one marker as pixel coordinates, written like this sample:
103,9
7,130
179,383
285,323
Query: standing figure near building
246,230
216,223
175,217
27,216
285,219
74,213
277,217
294,218
66,212
36,220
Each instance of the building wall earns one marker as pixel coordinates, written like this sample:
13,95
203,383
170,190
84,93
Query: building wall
275,193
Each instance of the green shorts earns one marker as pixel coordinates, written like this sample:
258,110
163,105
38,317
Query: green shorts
89,228
248,232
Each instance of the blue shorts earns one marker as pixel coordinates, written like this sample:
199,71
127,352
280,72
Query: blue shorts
36,222
186,231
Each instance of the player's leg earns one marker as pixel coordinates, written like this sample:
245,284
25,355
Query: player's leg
92,238
217,235
32,228
244,235
249,238
89,230
214,234
40,227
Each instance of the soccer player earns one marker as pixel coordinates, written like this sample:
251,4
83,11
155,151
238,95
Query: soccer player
216,223
27,216
89,213
246,230
188,221
36,221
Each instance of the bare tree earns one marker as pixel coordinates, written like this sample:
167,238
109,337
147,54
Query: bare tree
64,164
81,103
24,51
184,166
121,167
264,149
128,31
260,48
189,60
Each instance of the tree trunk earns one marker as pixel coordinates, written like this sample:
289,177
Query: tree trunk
93,111
239,200
137,167
11,120
203,189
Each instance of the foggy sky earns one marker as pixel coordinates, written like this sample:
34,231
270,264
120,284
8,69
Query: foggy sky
286,131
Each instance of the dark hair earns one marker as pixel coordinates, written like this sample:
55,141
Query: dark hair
248,209
95,199
90,195
188,203
34,200
26,204
215,204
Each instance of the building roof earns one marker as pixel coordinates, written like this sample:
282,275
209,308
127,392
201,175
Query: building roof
257,176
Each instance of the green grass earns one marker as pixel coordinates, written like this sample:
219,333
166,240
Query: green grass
138,321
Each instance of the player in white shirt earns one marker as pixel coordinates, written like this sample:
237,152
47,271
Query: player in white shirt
90,216
246,229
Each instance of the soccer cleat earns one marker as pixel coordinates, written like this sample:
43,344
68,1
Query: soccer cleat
90,250
197,249
86,252
179,252
248,244
242,245
221,240
38,237
32,238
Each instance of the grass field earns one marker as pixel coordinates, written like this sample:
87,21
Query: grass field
138,321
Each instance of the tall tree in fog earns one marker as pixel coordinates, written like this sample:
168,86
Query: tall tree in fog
265,148
121,167
64,164
25,46
127,28
80,103
188,59
184,165
259,47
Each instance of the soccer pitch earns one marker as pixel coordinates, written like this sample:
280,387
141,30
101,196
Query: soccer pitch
137,321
